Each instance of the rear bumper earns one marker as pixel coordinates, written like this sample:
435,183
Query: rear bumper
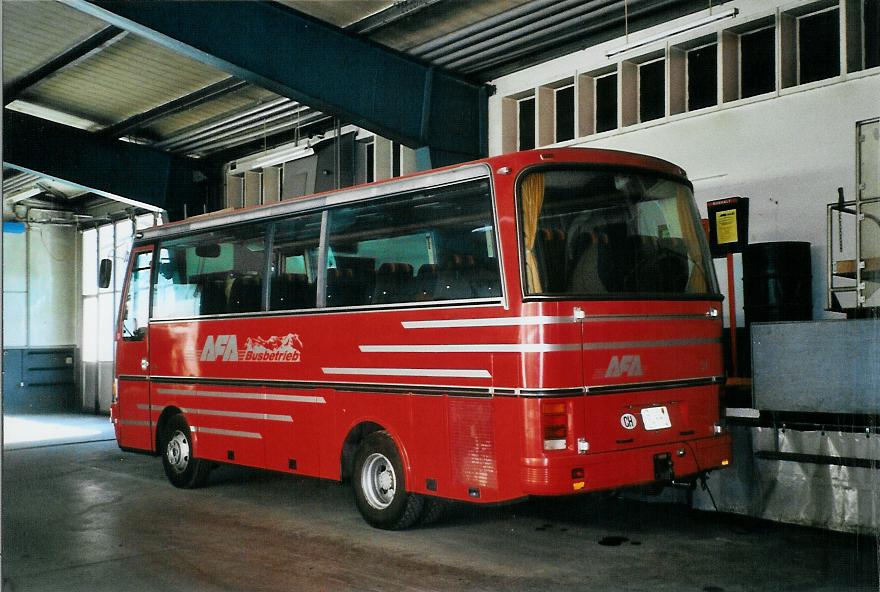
621,468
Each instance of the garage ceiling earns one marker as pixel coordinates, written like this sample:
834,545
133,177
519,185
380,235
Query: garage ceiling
66,66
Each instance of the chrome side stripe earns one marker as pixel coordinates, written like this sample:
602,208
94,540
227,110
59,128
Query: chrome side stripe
133,422
652,385
490,322
549,320
657,317
236,414
257,396
473,348
434,372
660,343
528,347
234,433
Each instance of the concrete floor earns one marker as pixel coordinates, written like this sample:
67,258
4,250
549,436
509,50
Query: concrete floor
86,516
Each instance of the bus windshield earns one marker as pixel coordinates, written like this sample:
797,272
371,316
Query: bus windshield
607,233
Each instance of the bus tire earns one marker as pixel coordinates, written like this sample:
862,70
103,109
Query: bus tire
379,485
182,468
433,510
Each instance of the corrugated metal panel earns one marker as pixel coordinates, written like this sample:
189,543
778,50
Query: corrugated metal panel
440,20
339,12
127,78
36,32
228,104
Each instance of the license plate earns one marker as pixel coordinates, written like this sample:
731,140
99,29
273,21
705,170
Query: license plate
656,418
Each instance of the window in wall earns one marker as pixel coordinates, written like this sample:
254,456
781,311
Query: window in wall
395,159
107,297
148,221
218,272
564,113
122,252
90,262
652,90
370,165
757,62
435,244
90,295
100,305
526,123
871,32
294,262
702,77
818,43
606,102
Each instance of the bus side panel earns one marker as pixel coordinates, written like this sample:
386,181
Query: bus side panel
132,415
389,411
220,418
474,461
510,427
295,446
428,446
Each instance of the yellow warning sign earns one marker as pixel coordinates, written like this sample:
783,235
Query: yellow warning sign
725,226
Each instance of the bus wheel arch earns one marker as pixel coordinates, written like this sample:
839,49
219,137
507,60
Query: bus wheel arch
161,424
351,444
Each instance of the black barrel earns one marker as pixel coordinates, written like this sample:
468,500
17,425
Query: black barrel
777,282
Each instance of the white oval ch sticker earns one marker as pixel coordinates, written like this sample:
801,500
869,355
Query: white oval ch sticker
628,421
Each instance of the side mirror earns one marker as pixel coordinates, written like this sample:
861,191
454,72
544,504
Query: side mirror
105,273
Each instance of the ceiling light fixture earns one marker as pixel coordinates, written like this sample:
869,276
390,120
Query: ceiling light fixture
674,31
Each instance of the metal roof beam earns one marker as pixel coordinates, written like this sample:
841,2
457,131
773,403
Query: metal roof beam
390,15
70,57
194,99
322,66
110,168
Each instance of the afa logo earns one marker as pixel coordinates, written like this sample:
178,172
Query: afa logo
224,347
620,365
257,349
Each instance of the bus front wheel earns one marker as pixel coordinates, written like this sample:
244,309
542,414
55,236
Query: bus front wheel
182,468
379,486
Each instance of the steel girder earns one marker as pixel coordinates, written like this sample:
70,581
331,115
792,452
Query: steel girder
108,167
319,65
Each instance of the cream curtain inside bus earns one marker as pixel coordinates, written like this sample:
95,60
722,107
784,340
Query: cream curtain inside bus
697,280
532,199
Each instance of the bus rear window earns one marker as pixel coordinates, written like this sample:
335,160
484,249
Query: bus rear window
611,233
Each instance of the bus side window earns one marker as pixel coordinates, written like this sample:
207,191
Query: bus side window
137,300
422,246
219,272
294,263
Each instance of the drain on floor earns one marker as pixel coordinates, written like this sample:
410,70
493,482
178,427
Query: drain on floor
613,541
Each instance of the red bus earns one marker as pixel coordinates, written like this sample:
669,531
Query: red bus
534,324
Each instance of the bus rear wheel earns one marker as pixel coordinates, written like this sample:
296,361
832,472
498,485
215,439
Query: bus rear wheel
379,485
182,468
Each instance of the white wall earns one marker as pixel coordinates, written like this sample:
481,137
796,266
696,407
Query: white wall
14,289
787,151
39,287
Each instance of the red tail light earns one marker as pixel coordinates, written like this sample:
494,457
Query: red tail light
554,425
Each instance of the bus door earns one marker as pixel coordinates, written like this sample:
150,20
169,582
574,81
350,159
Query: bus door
131,407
